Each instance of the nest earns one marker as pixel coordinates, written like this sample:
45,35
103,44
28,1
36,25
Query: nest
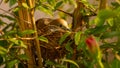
52,50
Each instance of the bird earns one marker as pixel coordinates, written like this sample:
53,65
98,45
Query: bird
53,30
48,25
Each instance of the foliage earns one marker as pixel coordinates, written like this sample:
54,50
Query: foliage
104,27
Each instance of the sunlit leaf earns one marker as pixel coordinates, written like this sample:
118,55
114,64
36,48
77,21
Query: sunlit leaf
71,61
3,50
73,2
14,41
46,10
16,9
62,39
110,21
43,39
25,5
28,32
22,44
77,37
87,4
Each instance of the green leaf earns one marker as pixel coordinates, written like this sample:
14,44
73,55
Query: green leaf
18,42
81,45
1,60
99,21
73,2
71,61
12,63
62,39
28,32
77,37
115,64
43,39
2,22
3,50
51,2
87,4
68,47
58,4
105,14
24,57
12,32
98,29
110,21
8,17
14,41
115,4
110,34
12,2
22,44
3,42
50,63
46,10
25,5
16,9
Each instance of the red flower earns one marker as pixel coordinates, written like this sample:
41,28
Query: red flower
92,44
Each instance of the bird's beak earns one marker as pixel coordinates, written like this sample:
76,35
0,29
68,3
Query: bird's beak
68,29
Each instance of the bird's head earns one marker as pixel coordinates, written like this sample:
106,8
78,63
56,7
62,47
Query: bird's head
60,23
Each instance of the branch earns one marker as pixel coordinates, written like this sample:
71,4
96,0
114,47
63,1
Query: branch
14,15
20,38
65,12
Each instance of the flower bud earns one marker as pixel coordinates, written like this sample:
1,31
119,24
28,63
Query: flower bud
92,44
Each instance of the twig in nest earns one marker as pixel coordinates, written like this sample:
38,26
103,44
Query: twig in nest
52,30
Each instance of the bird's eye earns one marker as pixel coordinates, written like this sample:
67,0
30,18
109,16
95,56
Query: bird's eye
61,26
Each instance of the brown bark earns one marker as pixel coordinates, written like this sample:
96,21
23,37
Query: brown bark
78,21
103,4
26,21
